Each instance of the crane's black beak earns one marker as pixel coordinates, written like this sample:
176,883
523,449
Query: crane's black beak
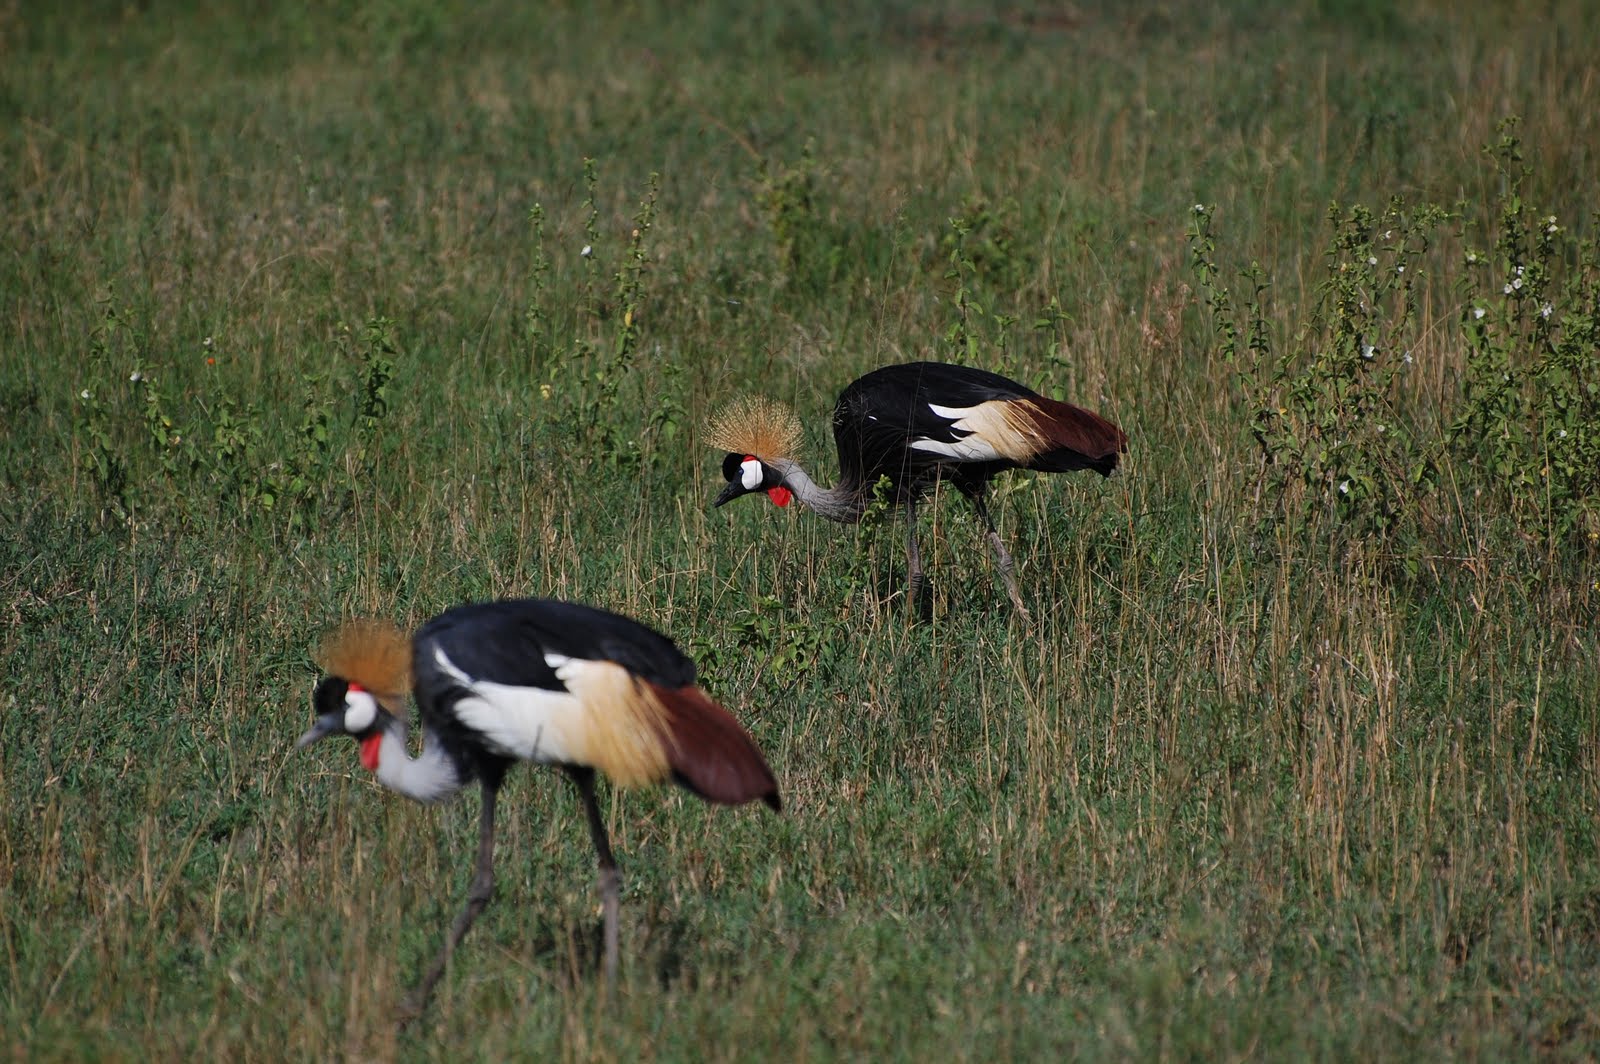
326,725
729,493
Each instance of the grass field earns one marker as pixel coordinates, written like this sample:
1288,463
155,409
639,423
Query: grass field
1300,757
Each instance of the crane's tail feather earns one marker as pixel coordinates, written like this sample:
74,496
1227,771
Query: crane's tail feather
709,752
1073,438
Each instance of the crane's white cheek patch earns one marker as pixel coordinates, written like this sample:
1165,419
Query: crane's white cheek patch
360,710
750,475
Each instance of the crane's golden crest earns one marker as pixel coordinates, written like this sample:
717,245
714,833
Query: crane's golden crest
374,654
756,426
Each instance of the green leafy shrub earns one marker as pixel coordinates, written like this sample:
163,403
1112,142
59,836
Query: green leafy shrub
583,376
812,248
154,454
1343,442
1325,409
1529,422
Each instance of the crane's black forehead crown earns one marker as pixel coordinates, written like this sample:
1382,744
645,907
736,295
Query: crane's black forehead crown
730,466
329,695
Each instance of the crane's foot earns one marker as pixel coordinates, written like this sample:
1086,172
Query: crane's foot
1015,594
1022,610
410,1008
1008,573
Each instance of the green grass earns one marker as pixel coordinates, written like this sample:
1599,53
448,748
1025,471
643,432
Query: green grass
1271,775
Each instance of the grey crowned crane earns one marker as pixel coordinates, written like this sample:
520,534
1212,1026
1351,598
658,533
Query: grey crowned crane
915,424
531,680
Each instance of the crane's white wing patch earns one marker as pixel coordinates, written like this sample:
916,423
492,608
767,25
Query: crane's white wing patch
529,723
967,449
605,719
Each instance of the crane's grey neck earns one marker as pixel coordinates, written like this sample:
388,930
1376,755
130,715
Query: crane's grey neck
844,502
430,777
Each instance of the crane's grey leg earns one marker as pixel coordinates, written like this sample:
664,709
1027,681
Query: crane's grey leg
610,881
1002,557
915,581
477,899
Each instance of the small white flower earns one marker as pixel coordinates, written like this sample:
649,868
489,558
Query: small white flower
1478,312
1517,283
1372,260
1506,289
587,251
1561,435
1519,271
1506,377
1388,234
84,394
136,376
1546,310
206,342
1199,208
1407,358
1550,225
1344,487
1400,269
1369,352
1383,428
1472,257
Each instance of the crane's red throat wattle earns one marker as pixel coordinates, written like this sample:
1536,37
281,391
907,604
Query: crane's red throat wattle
369,751
780,495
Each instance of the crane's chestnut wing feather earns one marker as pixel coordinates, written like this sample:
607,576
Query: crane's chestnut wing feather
710,752
1075,438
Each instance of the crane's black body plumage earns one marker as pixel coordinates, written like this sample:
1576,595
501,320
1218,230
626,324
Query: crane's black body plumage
921,422
507,642
881,414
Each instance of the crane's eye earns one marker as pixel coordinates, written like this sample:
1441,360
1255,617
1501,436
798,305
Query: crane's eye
360,710
751,474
